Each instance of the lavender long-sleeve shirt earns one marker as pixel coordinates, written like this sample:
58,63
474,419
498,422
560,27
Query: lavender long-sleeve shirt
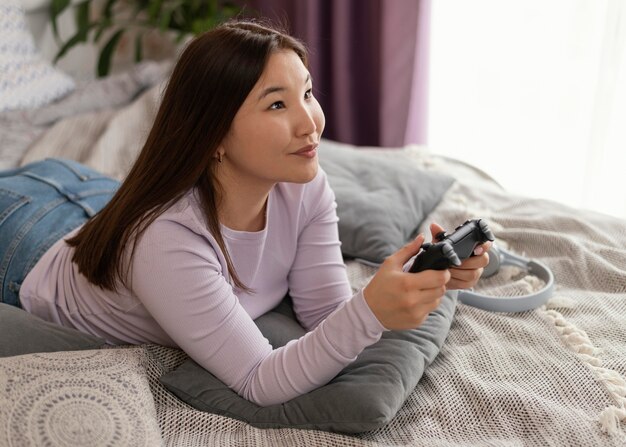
180,294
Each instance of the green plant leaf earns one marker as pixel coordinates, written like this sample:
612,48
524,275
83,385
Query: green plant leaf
138,47
201,25
56,9
74,40
82,20
106,55
154,10
229,11
165,20
181,17
107,10
102,26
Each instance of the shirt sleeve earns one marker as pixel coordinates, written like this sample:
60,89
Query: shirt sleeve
318,280
178,277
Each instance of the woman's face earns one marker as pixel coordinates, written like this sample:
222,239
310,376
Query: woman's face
275,133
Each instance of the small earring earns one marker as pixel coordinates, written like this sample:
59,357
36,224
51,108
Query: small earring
219,157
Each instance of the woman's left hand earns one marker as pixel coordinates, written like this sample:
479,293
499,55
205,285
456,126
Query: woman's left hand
468,273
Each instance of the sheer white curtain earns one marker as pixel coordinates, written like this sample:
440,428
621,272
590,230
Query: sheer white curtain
534,92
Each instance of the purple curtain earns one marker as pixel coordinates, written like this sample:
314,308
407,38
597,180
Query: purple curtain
369,63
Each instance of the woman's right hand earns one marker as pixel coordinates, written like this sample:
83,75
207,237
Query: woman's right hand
402,300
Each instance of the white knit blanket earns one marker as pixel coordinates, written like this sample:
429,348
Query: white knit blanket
551,376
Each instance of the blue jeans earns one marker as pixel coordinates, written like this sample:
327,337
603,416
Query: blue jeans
39,204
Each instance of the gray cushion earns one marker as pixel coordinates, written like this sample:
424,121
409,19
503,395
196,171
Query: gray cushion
23,333
364,396
381,200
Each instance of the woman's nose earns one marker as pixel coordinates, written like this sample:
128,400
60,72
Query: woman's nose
307,124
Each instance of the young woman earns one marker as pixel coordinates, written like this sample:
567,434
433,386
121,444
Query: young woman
224,212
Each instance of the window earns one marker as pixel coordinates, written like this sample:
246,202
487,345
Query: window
534,93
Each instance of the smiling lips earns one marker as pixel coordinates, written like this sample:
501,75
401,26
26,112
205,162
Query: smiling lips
307,151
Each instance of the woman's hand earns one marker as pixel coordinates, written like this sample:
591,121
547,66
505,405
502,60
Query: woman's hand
402,300
468,273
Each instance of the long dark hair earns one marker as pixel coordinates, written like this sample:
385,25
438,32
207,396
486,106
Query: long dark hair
210,81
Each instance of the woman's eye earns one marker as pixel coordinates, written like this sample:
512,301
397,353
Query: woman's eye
277,105
308,94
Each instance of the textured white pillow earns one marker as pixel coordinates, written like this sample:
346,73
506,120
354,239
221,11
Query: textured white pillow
26,79
82,398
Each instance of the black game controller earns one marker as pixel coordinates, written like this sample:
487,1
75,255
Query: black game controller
451,249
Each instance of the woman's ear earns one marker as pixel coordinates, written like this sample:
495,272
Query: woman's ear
219,154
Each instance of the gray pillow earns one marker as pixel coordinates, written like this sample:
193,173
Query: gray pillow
366,395
381,200
23,333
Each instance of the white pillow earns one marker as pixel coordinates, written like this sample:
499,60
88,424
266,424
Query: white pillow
82,398
26,79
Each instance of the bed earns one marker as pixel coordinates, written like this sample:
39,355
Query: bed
555,375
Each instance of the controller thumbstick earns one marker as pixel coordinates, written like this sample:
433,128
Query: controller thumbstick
486,231
449,253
